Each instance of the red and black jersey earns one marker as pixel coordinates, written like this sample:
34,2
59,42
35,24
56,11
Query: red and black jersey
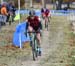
34,22
46,13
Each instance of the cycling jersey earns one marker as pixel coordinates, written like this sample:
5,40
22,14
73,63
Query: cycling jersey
47,13
34,23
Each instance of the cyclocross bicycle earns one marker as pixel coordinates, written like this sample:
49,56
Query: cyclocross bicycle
34,44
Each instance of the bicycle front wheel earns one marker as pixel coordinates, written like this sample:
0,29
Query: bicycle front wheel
34,50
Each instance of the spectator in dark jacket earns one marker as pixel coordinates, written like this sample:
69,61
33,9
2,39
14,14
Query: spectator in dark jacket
11,8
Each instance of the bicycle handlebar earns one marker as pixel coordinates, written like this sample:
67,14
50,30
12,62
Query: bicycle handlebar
32,32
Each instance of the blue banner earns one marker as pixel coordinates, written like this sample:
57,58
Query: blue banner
20,33
53,12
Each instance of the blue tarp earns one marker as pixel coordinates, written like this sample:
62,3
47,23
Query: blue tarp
38,12
53,12
19,33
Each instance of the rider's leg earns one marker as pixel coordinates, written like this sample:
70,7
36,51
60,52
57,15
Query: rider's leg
39,42
45,21
30,29
39,38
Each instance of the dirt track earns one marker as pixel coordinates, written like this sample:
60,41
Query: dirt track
54,52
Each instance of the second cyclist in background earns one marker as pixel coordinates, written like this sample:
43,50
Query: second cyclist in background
47,14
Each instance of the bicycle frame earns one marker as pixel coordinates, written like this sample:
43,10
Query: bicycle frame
34,45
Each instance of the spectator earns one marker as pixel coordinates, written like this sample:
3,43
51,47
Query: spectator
4,9
4,13
11,8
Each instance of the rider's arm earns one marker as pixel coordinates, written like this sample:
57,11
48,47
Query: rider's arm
26,25
26,28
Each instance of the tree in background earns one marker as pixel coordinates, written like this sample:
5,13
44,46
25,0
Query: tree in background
43,3
22,2
59,4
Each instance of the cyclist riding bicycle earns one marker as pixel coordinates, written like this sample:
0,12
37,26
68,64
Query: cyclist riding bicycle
34,23
47,15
